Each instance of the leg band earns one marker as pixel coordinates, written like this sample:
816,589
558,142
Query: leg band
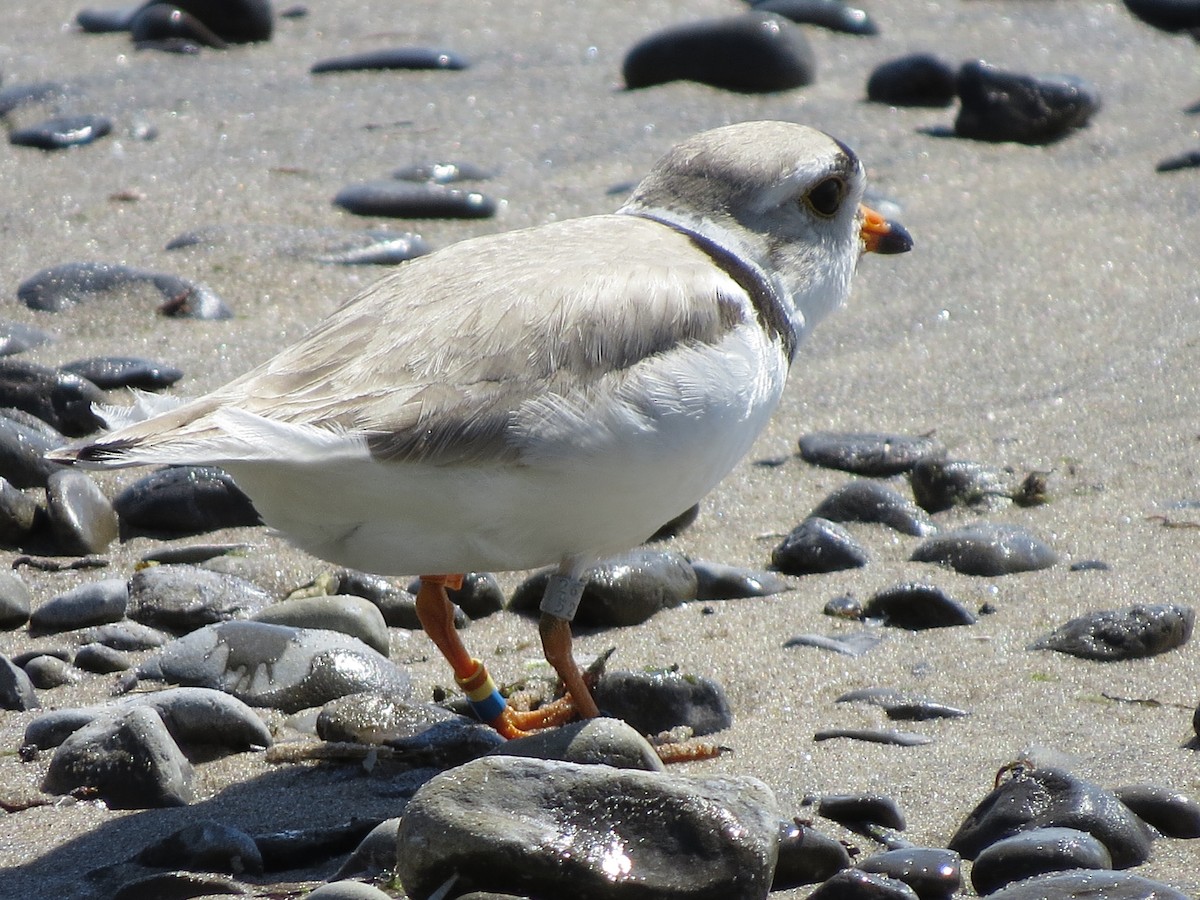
482,694
562,596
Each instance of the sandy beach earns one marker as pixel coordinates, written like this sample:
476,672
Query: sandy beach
1047,319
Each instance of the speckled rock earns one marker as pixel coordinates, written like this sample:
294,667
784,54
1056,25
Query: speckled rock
1131,633
1027,109
185,500
874,502
874,453
183,598
818,545
987,549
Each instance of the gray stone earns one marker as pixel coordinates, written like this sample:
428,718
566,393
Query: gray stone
18,514
987,549
82,518
205,847
1088,885
818,545
1038,851
184,598
94,603
1131,633
874,502
14,601
16,690
659,701
354,616
602,741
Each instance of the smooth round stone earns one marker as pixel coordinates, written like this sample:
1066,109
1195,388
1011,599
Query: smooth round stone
129,637
833,15
60,287
934,874
111,372
182,598
348,890
1051,797
48,672
105,21
479,596
875,736
16,690
128,760
61,132
51,728
859,809
185,500
371,718
1036,852
19,514
844,606
235,21
1172,813
23,446
399,607
81,517
101,660
1188,160
919,79
1135,632
1088,885
442,172
17,338
14,601
873,453
164,22
806,856
874,503
60,399
1027,109
987,549
205,847
855,884
659,701
917,606
754,52
602,741
375,853
818,545
718,581
95,603
392,58
354,616
406,200
1168,15
193,554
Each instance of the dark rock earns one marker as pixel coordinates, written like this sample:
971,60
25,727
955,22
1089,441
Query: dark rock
110,372
933,874
873,453
129,760
831,14
94,603
857,809
51,728
603,741
531,826
479,596
874,736
300,848
274,665
917,606
19,516
987,549
753,52
18,95
1188,160
192,554
855,884
62,400
943,484
1171,813
1131,633
61,287
392,58
677,525
23,446
61,132
375,854
806,856
1036,852
183,598
717,581
126,636
235,21
659,701
185,500
1049,797
48,672
105,21
1168,15
355,616
442,172
818,545
405,200
1088,884
16,690
205,847
919,79
81,517
101,660
17,338
844,606
873,502
399,607
165,22
14,601
1006,106
902,706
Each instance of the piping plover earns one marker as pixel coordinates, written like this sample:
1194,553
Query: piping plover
545,396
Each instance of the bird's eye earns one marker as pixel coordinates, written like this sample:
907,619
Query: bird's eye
827,196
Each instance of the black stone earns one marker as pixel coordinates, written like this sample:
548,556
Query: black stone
61,132
392,58
1007,106
1038,851
917,606
1135,632
806,856
111,372
919,79
873,453
862,808
987,549
933,873
17,338
406,200
60,287
185,500
165,22
1172,813
659,701
1168,15
874,502
818,545
60,399
833,15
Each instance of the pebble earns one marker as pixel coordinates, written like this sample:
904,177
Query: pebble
16,690
192,553
126,636
1052,797
235,21
128,760
101,660
185,500
718,581
844,606
876,503
47,672
917,606
94,603
442,172
661,700
932,873
20,514
753,52
405,200
49,729
61,132
298,848
624,590
806,856
918,79
875,736
392,58
375,854
18,95
855,884
987,549
61,287
105,21
857,809
1087,885
206,846
479,596
111,372
82,519
354,616
1188,160
1038,851
833,15
14,601
603,741
183,598
873,453
1168,15
1134,632
18,338
1171,813
23,445
531,826
399,607
902,706
943,484
1027,109
818,545
274,665
60,399
853,643
173,26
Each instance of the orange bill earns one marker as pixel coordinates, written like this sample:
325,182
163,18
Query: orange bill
881,236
